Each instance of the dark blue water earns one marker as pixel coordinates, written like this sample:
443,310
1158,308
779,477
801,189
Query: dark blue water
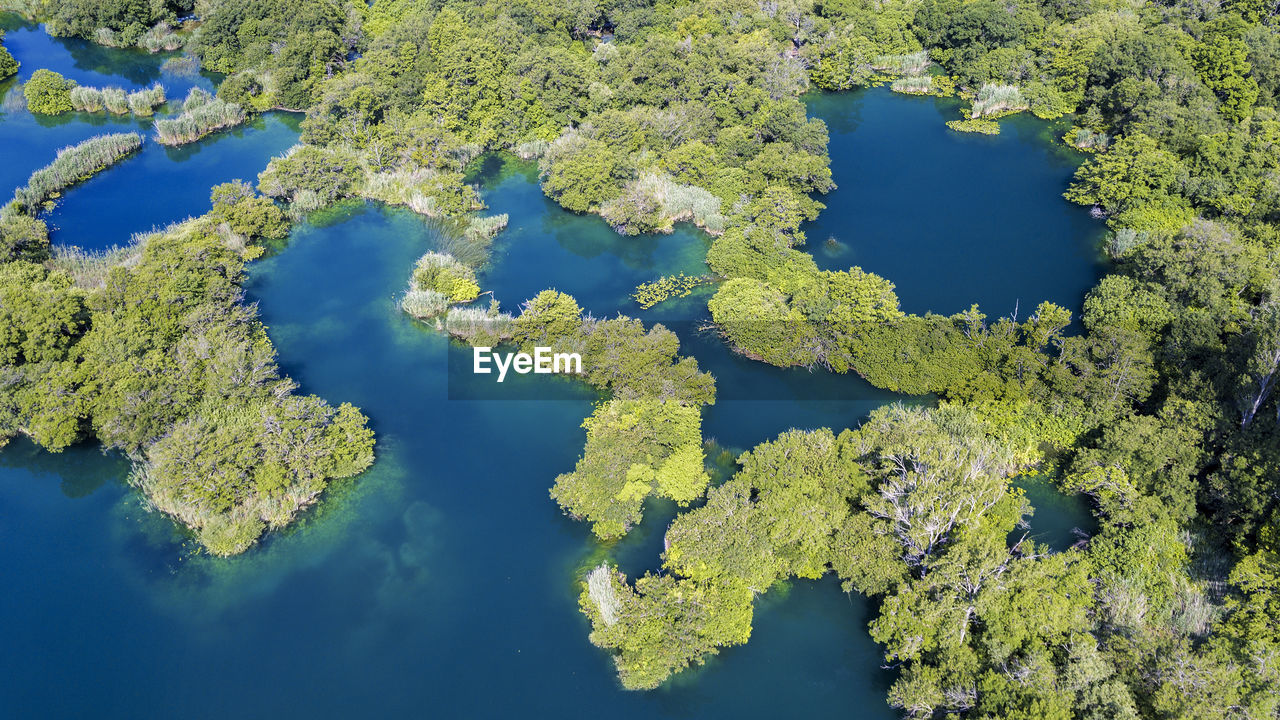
952,218
443,581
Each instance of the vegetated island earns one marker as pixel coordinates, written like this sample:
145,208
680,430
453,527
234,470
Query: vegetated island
1163,411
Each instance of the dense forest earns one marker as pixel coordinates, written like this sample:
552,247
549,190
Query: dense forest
1163,411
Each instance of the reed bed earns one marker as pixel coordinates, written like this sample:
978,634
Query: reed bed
479,325
142,103
72,165
201,115
913,85
908,64
89,268
993,99
160,38
424,304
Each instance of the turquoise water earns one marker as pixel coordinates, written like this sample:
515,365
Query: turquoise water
443,581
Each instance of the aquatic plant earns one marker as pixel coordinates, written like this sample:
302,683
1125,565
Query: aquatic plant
144,102
481,229
984,127
201,114
72,165
444,274
86,99
603,594
531,149
913,85
651,293
185,66
425,191
1087,140
424,304
653,202
89,269
997,99
483,327
160,38
907,64
115,100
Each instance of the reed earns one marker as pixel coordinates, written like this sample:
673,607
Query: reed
993,99
115,100
86,99
143,103
913,85
89,268
201,114
106,37
72,165
479,326
185,66
531,150
424,304
908,64
160,38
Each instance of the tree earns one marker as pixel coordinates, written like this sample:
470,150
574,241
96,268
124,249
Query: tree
48,93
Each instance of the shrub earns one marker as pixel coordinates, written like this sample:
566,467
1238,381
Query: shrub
444,274
8,66
311,177
48,93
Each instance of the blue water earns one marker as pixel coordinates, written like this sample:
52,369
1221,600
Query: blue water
442,582
154,187
952,218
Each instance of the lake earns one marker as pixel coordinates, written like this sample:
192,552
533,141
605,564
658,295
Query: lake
443,581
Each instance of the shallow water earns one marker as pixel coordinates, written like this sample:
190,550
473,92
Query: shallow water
443,581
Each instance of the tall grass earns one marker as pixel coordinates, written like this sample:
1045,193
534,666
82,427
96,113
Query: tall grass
531,149
144,102
185,66
201,114
89,268
994,99
424,304
115,100
675,202
72,165
913,85
474,324
160,38
86,99
909,64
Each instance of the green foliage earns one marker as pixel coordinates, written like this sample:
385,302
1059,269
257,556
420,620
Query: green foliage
666,287
1134,183
445,275
310,177
246,213
8,66
635,448
48,93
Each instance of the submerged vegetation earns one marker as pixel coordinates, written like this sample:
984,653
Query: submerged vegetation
201,114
